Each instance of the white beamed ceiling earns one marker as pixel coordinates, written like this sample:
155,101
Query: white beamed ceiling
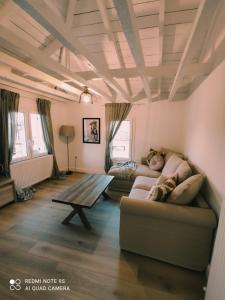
89,29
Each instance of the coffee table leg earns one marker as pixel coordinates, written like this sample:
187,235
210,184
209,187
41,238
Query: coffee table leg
106,196
84,219
70,216
82,216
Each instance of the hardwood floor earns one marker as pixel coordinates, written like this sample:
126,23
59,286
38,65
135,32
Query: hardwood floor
34,244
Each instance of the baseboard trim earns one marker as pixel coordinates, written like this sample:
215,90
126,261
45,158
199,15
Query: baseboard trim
89,171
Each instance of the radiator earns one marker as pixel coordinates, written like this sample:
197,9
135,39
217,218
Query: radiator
29,172
216,283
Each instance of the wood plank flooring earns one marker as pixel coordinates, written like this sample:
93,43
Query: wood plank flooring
34,244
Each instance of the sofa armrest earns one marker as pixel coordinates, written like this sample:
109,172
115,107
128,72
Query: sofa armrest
165,211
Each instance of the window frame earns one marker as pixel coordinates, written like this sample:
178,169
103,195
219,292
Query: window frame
28,137
34,155
122,159
22,158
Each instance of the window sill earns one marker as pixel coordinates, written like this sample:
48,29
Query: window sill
28,159
120,160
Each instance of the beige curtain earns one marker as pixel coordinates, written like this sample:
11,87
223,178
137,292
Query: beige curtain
115,113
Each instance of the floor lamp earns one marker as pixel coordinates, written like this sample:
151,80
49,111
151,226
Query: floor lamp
68,132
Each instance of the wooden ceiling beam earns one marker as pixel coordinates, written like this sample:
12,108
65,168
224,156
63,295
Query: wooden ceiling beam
167,71
70,13
55,44
6,10
16,64
42,59
127,19
46,18
6,74
161,38
199,31
52,47
108,27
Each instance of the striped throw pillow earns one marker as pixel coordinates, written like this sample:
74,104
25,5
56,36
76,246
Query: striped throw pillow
161,192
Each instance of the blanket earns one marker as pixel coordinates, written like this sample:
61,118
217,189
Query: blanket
124,170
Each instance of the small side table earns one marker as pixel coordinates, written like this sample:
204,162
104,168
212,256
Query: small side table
7,191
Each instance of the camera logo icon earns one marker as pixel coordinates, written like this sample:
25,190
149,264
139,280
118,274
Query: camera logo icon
15,284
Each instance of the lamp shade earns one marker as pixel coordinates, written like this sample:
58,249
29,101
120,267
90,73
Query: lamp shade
67,131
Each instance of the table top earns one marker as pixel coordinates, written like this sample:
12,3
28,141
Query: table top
85,191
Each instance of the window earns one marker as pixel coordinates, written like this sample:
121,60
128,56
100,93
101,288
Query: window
38,144
20,148
29,140
121,145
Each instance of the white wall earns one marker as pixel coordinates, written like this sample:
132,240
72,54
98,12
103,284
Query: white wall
90,157
167,125
205,133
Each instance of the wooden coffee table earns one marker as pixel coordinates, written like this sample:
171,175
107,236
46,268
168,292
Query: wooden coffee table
83,194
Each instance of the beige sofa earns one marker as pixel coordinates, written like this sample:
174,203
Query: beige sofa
181,235
123,185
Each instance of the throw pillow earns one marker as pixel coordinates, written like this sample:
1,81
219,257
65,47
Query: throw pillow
157,162
172,164
183,171
160,192
145,160
185,192
161,179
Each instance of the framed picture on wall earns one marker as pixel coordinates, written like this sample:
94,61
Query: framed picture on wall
91,130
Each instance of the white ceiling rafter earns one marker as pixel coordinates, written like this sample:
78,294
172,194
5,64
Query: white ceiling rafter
70,13
108,27
6,73
163,29
55,44
127,19
31,71
6,10
40,12
161,38
196,37
42,59
168,70
52,47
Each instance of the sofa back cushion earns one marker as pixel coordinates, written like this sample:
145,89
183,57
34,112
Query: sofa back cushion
171,165
168,153
183,171
185,192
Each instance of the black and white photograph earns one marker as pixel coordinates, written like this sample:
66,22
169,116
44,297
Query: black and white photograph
91,130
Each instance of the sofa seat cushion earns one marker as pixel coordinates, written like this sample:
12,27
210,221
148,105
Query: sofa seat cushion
138,194
172,164
143,170
186,191
144,183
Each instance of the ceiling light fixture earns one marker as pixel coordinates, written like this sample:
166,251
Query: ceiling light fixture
85,96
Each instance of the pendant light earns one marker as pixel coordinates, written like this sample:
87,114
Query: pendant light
86,97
